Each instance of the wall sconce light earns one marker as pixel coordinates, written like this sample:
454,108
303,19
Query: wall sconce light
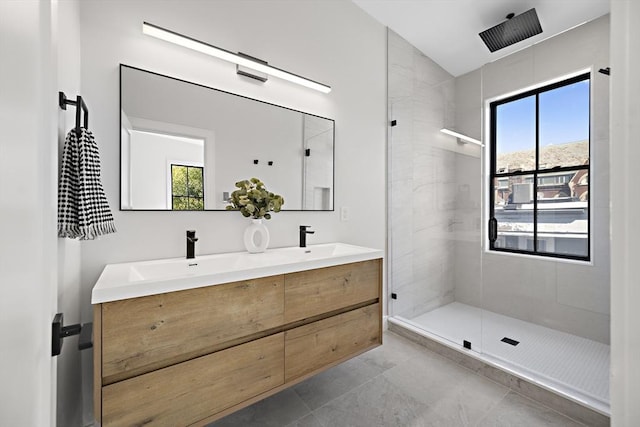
464,138
238,59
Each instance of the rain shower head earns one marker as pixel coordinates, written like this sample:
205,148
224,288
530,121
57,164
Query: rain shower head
513,30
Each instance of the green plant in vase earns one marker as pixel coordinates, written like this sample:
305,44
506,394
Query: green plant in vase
253,199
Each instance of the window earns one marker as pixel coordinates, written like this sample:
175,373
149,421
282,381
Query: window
539,171
187,188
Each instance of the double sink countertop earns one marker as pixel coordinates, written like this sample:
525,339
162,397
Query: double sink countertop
137,279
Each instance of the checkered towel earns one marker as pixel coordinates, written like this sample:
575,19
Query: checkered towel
83,210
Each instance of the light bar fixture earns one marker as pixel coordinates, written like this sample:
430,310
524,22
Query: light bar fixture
462,137
241,60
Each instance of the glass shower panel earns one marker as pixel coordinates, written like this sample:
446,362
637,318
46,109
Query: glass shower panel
434,199
404,289
468,253
434,223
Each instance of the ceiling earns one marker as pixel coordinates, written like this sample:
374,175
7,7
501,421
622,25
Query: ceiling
447,30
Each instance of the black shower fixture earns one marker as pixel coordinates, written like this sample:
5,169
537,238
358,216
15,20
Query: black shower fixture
515,29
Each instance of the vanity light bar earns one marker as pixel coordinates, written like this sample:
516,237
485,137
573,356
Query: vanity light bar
202,47
462,137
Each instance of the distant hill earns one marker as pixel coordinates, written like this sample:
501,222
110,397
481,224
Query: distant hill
570,154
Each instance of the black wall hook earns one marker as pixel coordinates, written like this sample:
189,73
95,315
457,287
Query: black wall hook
80,105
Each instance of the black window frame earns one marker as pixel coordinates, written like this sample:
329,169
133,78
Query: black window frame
492,229
188,197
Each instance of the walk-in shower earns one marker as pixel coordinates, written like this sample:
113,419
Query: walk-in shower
540,318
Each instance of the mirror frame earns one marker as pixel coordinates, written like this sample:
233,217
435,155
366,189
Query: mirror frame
123,66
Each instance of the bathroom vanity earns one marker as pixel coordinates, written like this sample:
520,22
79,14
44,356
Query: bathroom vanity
185,342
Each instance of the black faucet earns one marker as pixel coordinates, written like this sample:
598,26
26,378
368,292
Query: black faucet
303,235
191,244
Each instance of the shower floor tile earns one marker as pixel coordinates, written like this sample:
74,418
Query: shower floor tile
563,361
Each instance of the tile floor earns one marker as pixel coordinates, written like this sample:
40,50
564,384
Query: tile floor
398,384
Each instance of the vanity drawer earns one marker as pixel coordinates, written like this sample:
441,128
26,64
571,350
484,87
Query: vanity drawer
144,334
313,292
316,346
188,392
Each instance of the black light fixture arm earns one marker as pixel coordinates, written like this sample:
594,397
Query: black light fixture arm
80,105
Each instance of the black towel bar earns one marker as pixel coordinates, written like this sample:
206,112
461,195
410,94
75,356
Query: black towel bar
80,105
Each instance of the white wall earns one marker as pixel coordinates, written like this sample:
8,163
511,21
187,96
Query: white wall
333,42
69,390
28,203
125,162
570,297
625,205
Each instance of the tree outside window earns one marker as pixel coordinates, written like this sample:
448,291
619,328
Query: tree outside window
187,188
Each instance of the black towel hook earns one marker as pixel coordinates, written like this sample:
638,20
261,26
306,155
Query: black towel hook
80,105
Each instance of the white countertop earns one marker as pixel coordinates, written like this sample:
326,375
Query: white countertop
137,279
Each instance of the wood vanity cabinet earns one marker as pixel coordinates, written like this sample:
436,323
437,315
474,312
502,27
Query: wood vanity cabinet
190,357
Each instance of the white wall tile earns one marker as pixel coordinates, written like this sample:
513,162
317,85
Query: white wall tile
508,74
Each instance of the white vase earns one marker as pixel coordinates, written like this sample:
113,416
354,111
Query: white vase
256,237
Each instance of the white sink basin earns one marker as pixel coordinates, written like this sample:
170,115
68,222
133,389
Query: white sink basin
135,279
319,251
204,265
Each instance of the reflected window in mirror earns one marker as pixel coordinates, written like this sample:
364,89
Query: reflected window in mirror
187,188
148,159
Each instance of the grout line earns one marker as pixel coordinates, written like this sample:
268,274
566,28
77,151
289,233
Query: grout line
309,410
495,405
370,379
341,395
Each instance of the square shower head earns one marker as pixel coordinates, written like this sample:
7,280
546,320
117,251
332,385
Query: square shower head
514,30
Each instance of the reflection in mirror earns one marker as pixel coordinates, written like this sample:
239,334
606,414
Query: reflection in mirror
183,146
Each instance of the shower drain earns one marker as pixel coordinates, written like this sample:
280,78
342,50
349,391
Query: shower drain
510,341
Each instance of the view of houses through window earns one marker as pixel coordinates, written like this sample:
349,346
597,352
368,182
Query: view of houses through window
539,197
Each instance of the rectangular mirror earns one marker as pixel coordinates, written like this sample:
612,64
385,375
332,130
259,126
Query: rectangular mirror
184,145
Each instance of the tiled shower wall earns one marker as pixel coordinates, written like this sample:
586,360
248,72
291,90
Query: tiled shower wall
468,244
422,181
